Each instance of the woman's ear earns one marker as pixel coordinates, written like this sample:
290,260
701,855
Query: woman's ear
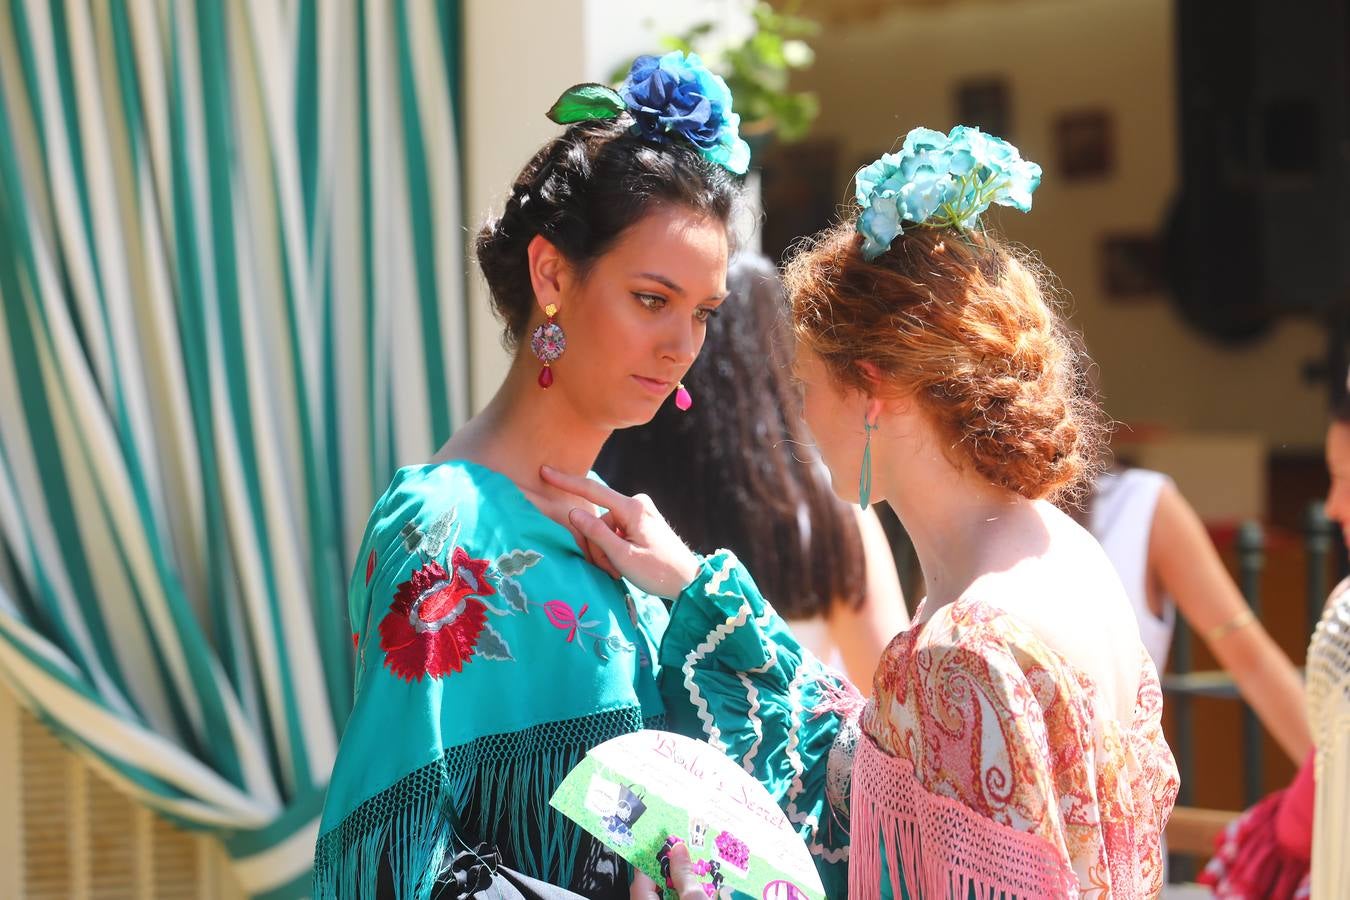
547,271
871,374
877,389
873,410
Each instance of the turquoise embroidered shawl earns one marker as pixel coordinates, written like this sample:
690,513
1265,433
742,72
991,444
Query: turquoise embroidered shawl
490,657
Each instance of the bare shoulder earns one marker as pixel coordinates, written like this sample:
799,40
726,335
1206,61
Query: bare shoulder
1071,599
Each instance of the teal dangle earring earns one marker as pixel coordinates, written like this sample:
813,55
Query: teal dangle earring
865,477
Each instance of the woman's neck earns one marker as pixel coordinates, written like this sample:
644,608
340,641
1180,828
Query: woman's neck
522,428
962,526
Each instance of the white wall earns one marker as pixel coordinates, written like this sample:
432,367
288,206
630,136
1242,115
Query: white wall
878,79
519,56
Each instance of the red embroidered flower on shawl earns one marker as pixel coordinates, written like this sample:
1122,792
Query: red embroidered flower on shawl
434,622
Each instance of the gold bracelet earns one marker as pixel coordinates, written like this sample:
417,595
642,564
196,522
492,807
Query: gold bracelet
1241,620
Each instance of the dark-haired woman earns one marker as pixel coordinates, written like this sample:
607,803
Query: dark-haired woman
739,471
491,652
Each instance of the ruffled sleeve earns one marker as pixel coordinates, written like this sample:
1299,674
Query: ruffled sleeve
733,674
1265,851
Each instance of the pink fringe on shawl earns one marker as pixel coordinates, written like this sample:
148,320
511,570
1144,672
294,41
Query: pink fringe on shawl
840,697
939,847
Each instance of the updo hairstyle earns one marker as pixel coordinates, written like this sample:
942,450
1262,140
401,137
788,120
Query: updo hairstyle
960,321
581,191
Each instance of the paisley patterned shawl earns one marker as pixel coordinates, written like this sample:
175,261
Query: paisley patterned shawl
987,763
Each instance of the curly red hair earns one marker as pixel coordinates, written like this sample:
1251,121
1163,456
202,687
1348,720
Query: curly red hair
961,322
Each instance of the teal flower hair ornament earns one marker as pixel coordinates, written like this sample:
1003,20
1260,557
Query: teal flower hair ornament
668,96
940,181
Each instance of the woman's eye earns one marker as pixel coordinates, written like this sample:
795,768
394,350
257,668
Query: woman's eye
651,301
704,313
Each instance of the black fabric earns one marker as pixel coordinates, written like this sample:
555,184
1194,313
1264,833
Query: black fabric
481,874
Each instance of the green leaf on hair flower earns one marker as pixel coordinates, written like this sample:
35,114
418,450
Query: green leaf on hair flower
586,101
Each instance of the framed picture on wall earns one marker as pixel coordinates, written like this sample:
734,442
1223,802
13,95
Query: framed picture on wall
1084,144
802,190
985,101
1132,266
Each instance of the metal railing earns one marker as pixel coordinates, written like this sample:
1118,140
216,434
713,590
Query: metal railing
1182,685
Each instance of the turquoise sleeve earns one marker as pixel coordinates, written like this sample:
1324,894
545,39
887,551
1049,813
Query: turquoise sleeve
733,674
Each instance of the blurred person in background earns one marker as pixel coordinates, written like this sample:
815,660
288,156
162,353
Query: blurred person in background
737,470
1168,563
1293,843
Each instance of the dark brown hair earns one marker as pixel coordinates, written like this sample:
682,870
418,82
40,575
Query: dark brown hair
737,470
961,322
581,191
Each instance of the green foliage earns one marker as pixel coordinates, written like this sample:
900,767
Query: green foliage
758,71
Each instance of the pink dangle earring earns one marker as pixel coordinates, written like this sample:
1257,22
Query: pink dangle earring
682,399
548,343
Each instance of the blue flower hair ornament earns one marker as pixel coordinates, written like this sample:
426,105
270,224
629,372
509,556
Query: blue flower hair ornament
670,96
940,181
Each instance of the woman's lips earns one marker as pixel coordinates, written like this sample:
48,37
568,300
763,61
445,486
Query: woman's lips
654,386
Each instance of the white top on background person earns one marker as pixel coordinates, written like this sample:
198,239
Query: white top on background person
1168,564
1121,520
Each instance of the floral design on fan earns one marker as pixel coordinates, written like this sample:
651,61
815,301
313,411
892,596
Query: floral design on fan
733,851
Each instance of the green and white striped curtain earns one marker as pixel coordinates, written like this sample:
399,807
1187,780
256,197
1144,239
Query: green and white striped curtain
231,262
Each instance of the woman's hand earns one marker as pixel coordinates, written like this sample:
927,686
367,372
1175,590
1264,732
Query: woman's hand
681,875
632,540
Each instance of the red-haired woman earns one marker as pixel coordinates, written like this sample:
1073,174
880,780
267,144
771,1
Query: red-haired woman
1013,743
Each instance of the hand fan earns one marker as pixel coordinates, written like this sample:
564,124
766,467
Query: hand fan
637,790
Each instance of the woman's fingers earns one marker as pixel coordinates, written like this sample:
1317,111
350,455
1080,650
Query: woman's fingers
586,488
598,534
631,540
682,874
643,888
601,560
595,556
588,549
